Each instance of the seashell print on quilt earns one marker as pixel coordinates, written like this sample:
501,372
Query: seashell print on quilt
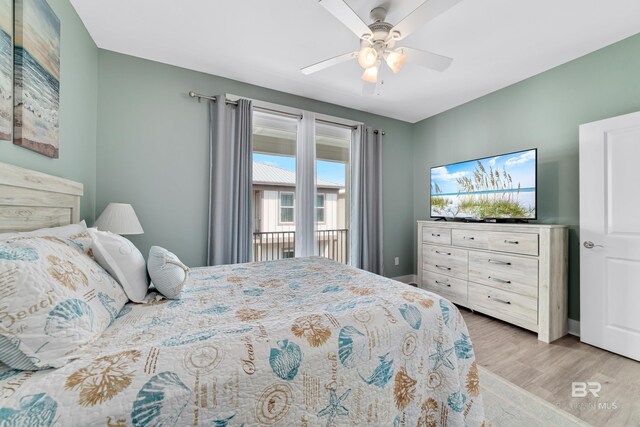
304,350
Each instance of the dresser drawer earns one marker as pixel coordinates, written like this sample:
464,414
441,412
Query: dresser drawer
509,306
517,243
446,260
477,239
449,287
511,273
436,235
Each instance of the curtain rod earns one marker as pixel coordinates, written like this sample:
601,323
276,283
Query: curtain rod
192,94
329,122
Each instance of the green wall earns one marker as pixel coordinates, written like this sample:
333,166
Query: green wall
153,153
78,111
130,133
543,111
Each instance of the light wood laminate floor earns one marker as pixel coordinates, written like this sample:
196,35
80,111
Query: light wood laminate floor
547,370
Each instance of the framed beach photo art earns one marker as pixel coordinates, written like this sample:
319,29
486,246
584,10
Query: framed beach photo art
36,77
6,70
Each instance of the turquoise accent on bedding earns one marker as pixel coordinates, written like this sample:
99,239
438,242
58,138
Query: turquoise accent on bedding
160,401
69,316
412,315
243,347
285,360
13,253
34,411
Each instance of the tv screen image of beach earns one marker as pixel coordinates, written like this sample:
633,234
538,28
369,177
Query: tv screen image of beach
501,187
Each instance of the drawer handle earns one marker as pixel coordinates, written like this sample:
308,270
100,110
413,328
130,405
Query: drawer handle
443,253
499,300
435,235
512,242
442,283
494,261
506,282
468,238
442,267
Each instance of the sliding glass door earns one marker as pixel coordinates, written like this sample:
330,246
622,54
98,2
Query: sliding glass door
274,186
301,178
332,191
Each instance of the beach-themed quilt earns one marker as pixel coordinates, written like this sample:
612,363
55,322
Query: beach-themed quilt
54,299
296,342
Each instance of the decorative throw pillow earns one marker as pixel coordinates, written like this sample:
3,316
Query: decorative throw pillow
123,261
75,235
55,299
167,273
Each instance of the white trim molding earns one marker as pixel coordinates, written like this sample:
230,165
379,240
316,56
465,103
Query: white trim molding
409,278
574,327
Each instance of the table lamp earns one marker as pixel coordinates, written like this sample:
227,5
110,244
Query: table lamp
119,218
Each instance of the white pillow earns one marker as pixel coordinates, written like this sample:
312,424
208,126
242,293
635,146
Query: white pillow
167,273
123,261
55,300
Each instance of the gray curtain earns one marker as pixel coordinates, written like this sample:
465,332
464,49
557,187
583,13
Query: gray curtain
231,174
366,205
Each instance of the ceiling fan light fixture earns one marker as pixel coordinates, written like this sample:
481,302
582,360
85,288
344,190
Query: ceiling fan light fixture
370,74
367,57
396,60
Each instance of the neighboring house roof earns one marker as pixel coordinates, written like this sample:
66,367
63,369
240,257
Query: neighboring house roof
273,175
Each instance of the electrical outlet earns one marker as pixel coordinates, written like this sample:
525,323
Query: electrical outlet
397,260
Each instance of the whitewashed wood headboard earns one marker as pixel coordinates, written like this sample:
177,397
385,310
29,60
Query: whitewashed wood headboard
30,200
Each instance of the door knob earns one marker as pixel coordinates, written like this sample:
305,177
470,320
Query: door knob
590,245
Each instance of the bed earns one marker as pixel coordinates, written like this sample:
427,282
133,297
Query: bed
303,341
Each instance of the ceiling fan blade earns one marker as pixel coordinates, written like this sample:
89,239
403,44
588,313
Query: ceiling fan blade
348,17
328,63
427,59
420,16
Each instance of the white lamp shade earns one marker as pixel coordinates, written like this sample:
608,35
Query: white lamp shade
119,218
396,60
370,75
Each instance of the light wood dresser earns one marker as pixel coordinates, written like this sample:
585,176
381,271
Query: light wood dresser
514,272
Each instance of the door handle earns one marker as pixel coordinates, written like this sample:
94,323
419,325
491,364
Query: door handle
590,245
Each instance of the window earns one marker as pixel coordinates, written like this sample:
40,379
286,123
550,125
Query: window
320,207
286,207
287,141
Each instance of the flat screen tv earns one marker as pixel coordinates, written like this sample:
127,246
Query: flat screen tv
501,187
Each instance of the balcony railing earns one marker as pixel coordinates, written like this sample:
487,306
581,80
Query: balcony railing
272,245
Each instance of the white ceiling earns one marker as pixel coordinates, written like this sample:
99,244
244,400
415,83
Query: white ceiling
494,43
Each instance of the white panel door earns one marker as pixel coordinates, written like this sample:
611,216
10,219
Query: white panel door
610,234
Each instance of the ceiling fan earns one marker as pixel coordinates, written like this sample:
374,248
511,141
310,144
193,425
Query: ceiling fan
378,40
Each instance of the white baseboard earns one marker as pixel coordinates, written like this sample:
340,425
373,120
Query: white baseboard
409,278
574,327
